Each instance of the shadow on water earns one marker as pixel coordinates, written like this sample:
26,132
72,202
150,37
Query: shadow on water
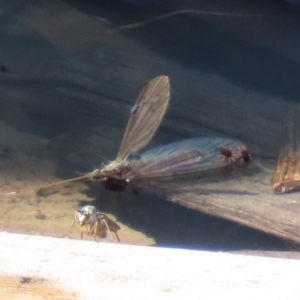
191,229
243,63
209,46
204,48
172,225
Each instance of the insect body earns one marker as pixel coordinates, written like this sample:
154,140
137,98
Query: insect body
191,156
94,223
186,157
179,158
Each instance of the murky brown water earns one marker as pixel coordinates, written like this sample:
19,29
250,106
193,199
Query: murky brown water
68,80
48,211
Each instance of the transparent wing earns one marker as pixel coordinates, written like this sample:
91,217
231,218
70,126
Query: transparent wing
112,225
189,156
145,116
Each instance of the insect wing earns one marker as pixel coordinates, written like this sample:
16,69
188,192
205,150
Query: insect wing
145,116
188,156
287,176
112,225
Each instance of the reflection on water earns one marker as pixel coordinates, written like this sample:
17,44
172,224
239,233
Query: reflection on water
68,81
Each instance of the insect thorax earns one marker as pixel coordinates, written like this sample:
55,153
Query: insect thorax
115,175
118,170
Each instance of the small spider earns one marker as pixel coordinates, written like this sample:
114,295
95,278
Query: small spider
226,154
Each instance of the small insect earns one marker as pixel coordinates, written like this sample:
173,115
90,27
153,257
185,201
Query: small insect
94,223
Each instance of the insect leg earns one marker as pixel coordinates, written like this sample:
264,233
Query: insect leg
95,231
108,230
69,235
117,237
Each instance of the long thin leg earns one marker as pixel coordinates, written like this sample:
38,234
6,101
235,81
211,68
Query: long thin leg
108,230
95,231
117,237
69,235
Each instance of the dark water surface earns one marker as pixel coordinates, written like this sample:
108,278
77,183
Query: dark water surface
68,80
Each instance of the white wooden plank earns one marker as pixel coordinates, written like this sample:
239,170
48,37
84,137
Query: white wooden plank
87,270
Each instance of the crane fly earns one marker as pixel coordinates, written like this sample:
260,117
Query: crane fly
191,156
173,160
94,223
170,162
